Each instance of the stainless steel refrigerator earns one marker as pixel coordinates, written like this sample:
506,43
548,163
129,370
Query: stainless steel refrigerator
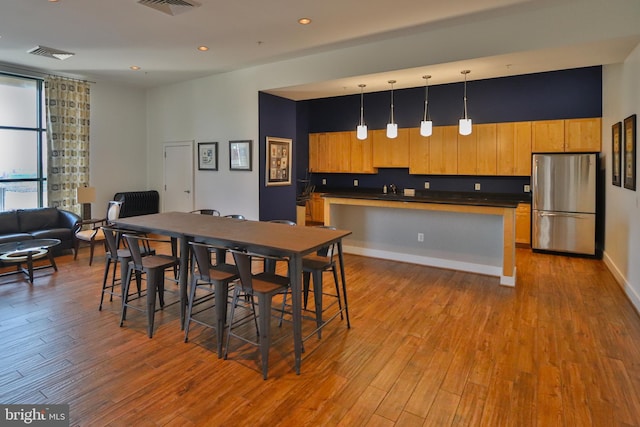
564,202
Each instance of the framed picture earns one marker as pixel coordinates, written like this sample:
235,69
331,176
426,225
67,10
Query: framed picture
278,161
616,145
629,155
240,155
208,156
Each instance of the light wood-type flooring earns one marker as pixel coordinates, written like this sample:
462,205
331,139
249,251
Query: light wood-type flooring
427,347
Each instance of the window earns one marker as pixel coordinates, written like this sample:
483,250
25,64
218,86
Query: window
23,145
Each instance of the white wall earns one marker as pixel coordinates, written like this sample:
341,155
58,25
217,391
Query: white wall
621,98
117,142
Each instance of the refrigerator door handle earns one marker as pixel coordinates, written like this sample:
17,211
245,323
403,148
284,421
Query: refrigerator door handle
569,215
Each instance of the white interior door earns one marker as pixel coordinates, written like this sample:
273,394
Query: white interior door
178,177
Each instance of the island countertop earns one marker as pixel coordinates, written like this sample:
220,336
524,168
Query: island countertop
441,197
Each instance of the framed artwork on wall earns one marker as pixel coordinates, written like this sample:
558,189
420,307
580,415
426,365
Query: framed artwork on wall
278,161
240,155
208,156
616,159
629,156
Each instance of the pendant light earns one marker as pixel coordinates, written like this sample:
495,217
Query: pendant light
361,130
392,127
426,125
465,123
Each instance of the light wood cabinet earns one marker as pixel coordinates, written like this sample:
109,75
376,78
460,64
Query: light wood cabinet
523,224
390,153
547,136
570,135
477,152
513,148
418,152
468,153
361,152
583,134
443,150
315,209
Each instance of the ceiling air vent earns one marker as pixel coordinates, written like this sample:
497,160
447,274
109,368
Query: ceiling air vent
50,52
170,7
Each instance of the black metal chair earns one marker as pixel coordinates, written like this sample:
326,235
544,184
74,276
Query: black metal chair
264,286
154,267
204,277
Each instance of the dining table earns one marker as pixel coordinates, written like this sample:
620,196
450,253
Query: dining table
259,237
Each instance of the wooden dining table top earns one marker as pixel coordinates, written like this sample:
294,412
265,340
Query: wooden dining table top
231,232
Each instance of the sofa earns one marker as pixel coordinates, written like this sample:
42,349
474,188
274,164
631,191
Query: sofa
40,223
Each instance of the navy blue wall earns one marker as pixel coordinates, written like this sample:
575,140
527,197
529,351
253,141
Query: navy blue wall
277,119
543,96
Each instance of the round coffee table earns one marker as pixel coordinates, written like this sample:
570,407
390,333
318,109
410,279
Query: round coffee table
26,251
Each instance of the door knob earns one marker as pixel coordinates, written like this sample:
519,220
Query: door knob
187,191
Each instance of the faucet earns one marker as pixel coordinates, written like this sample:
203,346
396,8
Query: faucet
393,189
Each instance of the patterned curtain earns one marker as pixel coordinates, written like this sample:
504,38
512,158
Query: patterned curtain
67,104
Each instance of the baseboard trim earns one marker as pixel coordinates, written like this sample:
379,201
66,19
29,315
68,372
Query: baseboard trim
633,296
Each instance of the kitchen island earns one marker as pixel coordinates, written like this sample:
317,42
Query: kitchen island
474,233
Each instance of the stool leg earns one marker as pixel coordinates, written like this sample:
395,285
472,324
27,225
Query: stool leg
317,295
125,296
152,289
335,280
264,306
187,322
104,282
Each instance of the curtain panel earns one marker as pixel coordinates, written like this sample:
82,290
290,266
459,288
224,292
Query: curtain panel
68,108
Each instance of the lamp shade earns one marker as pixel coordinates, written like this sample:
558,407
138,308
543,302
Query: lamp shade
361,132
86,194
426,128
392,130
464,127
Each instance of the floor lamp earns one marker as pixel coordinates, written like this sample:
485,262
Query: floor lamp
86,196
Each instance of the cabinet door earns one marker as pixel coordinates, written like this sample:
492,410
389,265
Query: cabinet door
361,154
548,136
486,153
317,158
443,150
338,151
522,138
583,134
468,153
317,208
513,148
523,223
390,153
418,152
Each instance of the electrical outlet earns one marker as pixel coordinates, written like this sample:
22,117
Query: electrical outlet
420,237
324,181
355,182
527,188
426,185
477,186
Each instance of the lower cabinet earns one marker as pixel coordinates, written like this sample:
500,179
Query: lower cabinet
523,224
315,209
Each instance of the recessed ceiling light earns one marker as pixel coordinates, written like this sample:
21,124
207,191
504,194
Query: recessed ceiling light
203,48
134,67
304,21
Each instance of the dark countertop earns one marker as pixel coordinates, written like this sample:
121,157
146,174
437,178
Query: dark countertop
501,200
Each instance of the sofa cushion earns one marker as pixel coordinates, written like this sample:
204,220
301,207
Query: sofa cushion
14,237
37,219
8,222
53,233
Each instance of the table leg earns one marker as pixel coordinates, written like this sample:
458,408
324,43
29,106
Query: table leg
183,276
344,282
30,266
52,260
296,302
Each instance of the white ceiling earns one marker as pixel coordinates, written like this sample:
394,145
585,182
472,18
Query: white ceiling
109,36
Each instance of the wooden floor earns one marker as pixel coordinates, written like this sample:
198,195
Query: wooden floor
427,347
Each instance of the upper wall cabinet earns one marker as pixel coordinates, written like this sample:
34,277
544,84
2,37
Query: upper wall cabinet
390,153
443,150
514,148
477,152
339,152
418,152
547,135
583,134
567,135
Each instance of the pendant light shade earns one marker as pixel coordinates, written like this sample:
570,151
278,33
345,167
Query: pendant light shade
464,126
392,126
426,125
361,130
